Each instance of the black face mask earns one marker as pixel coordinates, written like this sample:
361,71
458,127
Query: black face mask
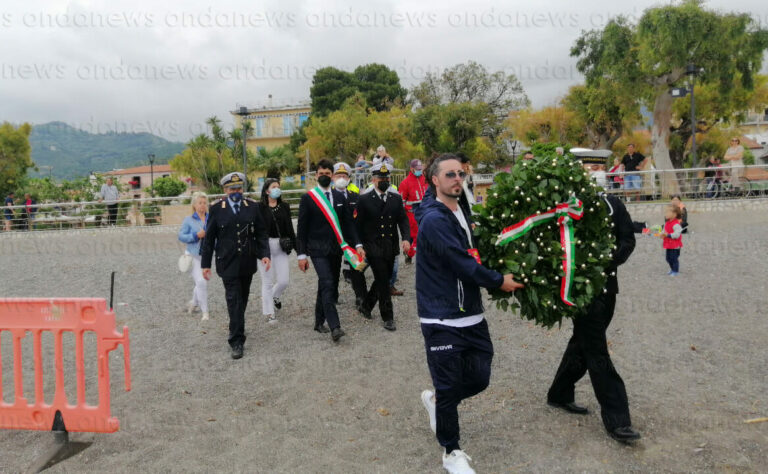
383,186
324,181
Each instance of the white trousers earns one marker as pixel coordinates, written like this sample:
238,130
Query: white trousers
200,293
274,281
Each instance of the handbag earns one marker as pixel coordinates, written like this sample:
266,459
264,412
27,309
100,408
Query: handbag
285,242
185,262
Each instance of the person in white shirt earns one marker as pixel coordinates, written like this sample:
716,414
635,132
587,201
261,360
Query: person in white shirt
109,196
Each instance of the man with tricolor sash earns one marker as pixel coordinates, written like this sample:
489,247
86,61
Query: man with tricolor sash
587,350
326,233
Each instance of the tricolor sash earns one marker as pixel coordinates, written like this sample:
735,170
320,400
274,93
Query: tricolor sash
330,215
565,213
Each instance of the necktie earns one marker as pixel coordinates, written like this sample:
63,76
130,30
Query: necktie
383,197
328,196
237,208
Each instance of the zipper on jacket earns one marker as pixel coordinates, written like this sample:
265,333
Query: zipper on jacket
460,295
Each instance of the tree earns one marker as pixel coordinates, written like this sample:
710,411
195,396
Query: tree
204,162
169,186
548,125
713,110
455,127
473,83
652,56
378,85
605,109
355,129
276,161
15,155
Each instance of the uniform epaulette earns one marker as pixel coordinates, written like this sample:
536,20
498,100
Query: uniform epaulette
216,203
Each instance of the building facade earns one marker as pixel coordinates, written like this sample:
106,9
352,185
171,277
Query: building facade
273,125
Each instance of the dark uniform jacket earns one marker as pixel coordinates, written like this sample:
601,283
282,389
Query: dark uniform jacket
623,229
378,222
314,236
239,241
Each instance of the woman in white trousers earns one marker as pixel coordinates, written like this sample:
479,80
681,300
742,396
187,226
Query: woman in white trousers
191,233
276,215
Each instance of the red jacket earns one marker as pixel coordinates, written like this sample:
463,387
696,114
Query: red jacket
412,189
669,229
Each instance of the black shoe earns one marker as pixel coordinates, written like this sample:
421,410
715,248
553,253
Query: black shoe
366,313
570,407
321,328
390,325
237,352
408,260
624,434
277,302
336,334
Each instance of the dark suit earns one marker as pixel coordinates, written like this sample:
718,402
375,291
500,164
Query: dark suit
239,241
315,238
587,350
357,278
378,221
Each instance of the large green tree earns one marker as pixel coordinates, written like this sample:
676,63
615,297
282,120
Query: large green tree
606,110
472,82
15,155
378,84
464,109
355,128
652,56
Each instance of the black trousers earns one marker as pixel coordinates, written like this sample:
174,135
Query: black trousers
359,286
673,259
236,292
111,214
379,292
328,269
459,362
587,351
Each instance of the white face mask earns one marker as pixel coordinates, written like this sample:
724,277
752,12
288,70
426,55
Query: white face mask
341,183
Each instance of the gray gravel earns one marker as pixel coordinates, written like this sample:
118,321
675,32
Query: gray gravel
691,350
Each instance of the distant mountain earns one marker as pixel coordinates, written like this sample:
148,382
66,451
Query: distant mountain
74,153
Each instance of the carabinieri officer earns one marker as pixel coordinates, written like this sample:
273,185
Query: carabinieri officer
236,233
380,211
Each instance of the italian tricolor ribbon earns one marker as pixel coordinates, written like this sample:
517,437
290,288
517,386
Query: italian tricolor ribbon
330,215
565,213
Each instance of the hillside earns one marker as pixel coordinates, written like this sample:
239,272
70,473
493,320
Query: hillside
73,152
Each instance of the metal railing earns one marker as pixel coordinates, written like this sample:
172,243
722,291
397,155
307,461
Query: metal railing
690,183
95,214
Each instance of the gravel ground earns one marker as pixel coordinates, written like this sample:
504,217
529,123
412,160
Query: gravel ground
690,349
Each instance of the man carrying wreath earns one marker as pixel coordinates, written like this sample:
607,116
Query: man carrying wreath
326,232
587,350
448,280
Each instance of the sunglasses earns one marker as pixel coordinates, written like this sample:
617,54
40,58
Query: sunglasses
453,174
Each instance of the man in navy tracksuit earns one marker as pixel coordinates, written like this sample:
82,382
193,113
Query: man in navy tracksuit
448,280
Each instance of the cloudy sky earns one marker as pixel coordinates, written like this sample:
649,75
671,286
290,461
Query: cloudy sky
150,66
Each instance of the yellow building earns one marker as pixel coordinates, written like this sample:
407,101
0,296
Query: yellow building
273,125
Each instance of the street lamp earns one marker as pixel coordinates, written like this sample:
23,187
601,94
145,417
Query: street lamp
151,157
243,113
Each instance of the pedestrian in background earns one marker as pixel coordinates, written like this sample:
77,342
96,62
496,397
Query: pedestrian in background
109,196
191,233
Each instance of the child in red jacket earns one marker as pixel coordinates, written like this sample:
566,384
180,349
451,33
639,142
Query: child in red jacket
673,238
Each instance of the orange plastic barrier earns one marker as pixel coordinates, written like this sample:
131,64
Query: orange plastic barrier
59,315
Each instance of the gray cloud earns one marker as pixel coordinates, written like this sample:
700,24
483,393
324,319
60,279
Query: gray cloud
140,66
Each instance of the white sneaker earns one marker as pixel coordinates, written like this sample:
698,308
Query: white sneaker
457,462
427,398
271,319
205,317
191,307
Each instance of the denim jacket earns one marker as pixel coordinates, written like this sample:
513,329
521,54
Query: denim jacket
188,232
